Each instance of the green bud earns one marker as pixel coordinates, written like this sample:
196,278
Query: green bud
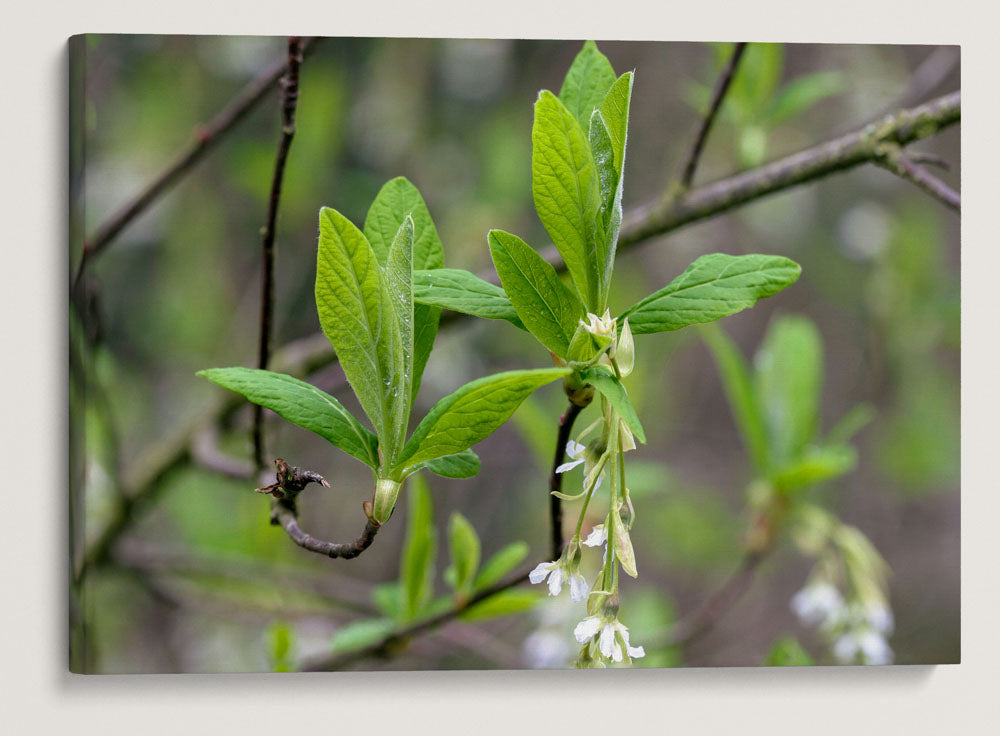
624,350
386,493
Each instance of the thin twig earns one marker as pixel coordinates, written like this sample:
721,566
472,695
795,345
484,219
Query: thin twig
718,94
205,138
289,101
706,617
397,638
647,222
903,166
289,482
555,478
285,518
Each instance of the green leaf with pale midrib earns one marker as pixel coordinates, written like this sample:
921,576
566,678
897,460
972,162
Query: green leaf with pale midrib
397,199
301,404
398,278
586,82
549,309
564,186
472,413
357,316
610,387
462,291
714,286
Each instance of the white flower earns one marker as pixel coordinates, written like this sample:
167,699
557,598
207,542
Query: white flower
556,572
818,604
611,635
587,628
598,536
602,327
576,451
875,648
578,587
545,649
879,617
871,645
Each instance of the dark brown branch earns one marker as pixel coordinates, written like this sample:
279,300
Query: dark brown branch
289,101
718,94
555,479
284,517
905,167
706,617
394,640
699,203
205,138
289,483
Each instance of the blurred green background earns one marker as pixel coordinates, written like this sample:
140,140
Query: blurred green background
202,583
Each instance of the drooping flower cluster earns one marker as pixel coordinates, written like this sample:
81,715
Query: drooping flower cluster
857,629
600,449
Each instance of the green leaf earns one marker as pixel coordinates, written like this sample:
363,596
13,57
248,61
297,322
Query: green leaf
280,641
360,634
357,316
549,309
564,186
714,286
416,573
464,547
472,413
609,217
386,597
507,603
787,652
612,389
463,464
586,83
802,93
615,111
789,379
500,564
461,291
397,199
850,424
743,402
816,464
399,283
301,404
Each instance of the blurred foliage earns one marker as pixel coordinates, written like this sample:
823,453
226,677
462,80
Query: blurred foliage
178,291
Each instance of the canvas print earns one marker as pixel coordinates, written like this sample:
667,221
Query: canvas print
419,354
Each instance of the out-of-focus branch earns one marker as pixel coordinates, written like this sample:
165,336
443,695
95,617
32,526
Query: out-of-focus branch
850,150
555,478
289,101
705,618
205,138
394,640
718,94
643,224
896,161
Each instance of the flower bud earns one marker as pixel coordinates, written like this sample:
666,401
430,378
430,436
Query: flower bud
624,350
